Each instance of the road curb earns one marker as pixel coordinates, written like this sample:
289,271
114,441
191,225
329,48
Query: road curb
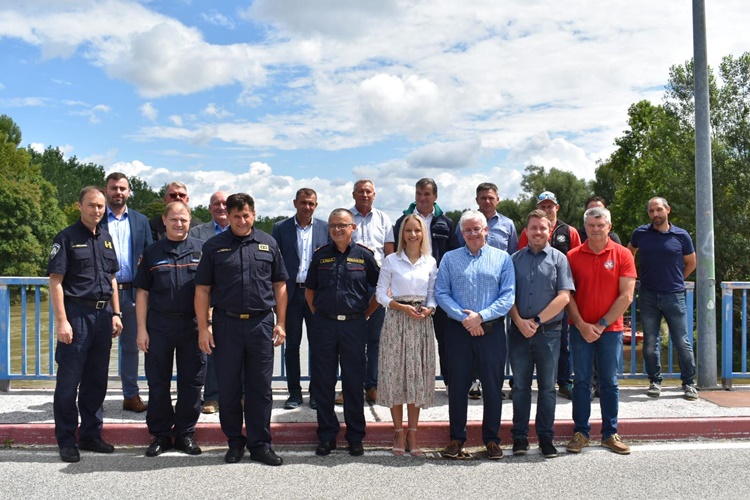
431,434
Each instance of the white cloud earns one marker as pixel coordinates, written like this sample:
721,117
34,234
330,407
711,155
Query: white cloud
149,111
216,111
23,102
217,18
176,119
93,113
38,147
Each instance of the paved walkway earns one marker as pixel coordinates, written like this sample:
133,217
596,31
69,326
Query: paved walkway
26,418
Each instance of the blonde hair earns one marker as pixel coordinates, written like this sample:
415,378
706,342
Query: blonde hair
424,247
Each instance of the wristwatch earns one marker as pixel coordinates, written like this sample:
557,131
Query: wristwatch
119,314
603,322
538,320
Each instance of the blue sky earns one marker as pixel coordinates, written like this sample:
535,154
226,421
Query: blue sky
269,96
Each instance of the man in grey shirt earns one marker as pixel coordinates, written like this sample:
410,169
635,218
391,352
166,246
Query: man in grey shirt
543,286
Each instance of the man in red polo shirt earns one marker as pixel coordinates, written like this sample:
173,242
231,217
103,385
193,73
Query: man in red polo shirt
604,274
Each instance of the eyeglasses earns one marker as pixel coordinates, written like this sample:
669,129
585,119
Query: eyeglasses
472,232
338,227
174,196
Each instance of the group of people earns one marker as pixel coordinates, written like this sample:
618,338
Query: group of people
218,297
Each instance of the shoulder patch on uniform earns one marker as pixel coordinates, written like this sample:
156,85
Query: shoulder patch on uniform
263,247
354,260
328,260
55,249
220,250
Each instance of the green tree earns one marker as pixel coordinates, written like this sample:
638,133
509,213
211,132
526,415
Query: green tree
10,132
141,194
201,213
265,223
29,214
68,176
571,193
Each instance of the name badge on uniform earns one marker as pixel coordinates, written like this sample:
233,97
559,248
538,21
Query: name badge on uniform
223,250
264,247
80,245
161,262
355,261
328,260
196,257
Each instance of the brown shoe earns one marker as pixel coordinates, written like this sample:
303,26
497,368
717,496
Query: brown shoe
211,407
493,451
614,443
578,443
134,404
455,449
340,398
371,395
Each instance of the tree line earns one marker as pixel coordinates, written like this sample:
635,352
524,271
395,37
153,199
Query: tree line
655,156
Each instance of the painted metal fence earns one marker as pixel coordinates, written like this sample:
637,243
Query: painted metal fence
19,331
733,366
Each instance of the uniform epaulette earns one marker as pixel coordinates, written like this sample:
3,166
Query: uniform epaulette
366,248
322,246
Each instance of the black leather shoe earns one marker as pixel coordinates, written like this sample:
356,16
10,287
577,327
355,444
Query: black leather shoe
95,445
324,447
70,454
293,402
234,455
356,449
158,446
187,444
266,456
313,403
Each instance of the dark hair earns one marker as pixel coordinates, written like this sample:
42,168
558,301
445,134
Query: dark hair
426,181
538,214
341,211
116,176
596,198
239,201
486,186
305,192
87,190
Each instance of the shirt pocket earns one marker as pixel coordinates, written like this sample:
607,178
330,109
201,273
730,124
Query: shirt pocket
262,264
82,259
228,262
162,279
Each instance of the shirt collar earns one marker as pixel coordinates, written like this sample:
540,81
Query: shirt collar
111,214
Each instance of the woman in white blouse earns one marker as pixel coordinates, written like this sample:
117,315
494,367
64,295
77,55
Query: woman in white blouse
407,347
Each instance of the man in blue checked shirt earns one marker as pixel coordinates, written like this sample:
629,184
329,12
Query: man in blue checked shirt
476,288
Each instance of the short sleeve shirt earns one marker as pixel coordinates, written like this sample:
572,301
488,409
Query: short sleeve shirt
241,271
539,278
662,257
597,279
167,271
87,261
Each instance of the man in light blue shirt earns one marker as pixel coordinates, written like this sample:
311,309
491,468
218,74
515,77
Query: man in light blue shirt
476,288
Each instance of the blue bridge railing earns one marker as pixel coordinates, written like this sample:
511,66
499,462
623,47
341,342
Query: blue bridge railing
27,339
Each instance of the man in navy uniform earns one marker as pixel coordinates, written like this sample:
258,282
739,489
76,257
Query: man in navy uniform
82,269
131,235
166,326
339,285
298,237
242,276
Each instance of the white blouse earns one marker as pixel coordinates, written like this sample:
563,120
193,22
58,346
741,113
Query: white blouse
402,278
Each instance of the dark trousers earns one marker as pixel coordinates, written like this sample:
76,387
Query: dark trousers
564,368
332,343
211,386
297,311
374,326
171,338
489,351
244,347
439,323
82,368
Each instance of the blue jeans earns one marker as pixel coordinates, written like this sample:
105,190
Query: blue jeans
524,353
606,351
670,306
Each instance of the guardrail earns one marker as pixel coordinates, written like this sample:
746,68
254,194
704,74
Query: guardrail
39,364
727,332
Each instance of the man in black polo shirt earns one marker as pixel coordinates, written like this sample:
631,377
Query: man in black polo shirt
338,292
242,276
82,267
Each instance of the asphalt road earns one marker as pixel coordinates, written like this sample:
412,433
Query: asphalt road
706,469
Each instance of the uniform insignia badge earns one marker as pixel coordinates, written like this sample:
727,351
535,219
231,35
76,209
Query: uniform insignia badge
55,249
560,238
108,244
610,264
264,247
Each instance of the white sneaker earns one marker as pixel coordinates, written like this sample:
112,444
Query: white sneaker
475,391
654,390
691,393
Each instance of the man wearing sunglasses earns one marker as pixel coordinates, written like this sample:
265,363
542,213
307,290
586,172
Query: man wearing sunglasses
176,191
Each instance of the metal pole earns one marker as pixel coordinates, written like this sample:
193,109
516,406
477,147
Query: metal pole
706,273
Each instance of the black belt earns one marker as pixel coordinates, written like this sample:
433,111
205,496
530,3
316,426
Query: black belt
175,315
552,325
96,304
124,286
299,285
244,315
414,303
340,317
